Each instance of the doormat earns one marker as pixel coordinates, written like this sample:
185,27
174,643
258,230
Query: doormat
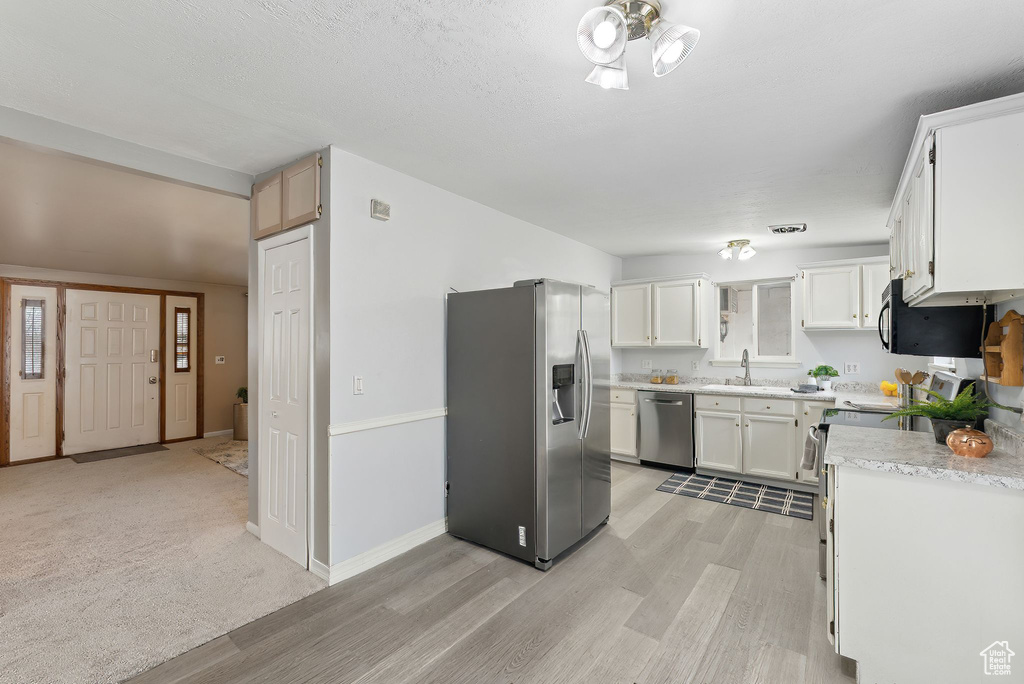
739,493
233,455
117,453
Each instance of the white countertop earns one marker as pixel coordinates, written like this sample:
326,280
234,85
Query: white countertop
918,454
838,396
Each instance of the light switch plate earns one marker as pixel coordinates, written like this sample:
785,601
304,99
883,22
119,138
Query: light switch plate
219,360
357,384
852,368
645,364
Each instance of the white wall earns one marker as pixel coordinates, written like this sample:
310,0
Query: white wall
1007,396
388,282
833,348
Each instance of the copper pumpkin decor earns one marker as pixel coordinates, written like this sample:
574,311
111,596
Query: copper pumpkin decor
969,443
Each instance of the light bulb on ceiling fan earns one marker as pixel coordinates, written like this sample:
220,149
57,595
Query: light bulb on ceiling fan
604,35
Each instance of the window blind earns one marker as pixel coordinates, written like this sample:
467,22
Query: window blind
32,338
182,351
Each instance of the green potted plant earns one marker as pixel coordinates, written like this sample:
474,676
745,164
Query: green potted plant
824,374
242,415
965,410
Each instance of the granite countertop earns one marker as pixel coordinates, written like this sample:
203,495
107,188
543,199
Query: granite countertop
859,395
917,454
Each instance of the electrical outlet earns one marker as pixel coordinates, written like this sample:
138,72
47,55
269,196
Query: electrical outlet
357,384
852,368
645,364
695,366
219,360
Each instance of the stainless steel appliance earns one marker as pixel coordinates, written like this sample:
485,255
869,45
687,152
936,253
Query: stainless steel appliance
819,433
666,428
528,441
929,330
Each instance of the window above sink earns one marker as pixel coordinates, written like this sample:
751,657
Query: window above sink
758,316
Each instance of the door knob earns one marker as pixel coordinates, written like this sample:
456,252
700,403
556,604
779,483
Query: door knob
152,380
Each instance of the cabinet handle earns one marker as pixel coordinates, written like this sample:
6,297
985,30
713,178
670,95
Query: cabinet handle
737,424
854,316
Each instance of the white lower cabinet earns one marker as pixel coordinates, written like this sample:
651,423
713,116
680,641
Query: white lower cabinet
763,438
769,446
623,423
718,442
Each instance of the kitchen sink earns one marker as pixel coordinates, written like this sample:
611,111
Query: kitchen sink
741,388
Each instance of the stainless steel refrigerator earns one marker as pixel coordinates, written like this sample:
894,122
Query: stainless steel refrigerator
528,451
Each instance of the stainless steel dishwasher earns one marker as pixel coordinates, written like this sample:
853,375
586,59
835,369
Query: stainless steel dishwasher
666,428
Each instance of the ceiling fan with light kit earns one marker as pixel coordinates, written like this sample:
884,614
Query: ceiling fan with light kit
604,32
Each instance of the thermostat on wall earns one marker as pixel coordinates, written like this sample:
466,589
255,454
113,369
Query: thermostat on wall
380,210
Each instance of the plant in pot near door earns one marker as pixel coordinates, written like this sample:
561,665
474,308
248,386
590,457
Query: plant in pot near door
824,374
242,415
965,410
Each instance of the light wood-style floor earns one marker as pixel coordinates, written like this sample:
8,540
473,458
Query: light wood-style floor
673,589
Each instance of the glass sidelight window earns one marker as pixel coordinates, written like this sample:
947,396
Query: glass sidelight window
32,338
182,340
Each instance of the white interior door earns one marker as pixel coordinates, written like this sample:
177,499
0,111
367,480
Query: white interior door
33,372
181,367
111,389
284,399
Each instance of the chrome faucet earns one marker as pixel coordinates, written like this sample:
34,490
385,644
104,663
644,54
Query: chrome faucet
745,362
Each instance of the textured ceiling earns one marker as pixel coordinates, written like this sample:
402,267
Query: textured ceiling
62,213
796,111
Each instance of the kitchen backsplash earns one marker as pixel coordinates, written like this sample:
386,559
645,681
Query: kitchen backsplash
858,387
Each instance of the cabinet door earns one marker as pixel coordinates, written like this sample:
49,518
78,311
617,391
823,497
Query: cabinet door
300,192
718,440
769,446
677,314
918,277
631,316
874,278
623,429
831,297
265,207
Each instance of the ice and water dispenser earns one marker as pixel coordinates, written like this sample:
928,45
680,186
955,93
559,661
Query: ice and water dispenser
563,406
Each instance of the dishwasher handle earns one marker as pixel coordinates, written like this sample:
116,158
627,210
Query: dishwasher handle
664,401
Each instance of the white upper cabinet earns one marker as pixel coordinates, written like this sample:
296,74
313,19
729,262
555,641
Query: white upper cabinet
631,315
831,297
957,220
844,295
662,313
874,278
677,314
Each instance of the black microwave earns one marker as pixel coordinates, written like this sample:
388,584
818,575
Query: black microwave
954,331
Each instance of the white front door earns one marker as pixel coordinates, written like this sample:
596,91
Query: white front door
284,400
111,393
181,367
33,326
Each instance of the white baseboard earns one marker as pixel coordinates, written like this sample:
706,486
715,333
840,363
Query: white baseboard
368,559
218,433
319,569
252,528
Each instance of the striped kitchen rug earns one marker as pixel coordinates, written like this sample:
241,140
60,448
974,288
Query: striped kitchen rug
739,493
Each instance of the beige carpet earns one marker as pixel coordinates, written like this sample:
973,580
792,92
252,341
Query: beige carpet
109,568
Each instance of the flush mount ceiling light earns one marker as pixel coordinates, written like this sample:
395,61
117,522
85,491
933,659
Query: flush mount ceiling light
604,31
738,250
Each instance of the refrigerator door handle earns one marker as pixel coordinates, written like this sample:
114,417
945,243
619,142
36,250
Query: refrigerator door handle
588,376
581,353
